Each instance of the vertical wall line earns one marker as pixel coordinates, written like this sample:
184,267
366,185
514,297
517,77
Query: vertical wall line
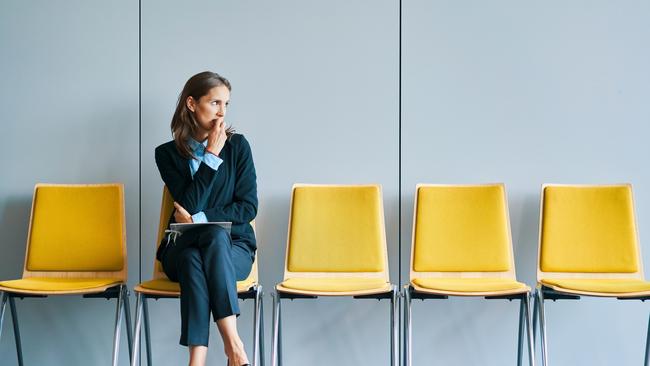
139,152
399,184
140,140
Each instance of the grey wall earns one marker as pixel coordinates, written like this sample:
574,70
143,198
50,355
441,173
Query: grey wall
316,95
69,97
526,93
511,92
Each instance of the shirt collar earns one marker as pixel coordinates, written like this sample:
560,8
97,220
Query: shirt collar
197,147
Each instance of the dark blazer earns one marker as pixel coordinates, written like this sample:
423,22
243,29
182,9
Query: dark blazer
227,194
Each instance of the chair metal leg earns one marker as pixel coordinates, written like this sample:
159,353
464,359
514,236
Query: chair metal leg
136,333
14,319
280,359
394,336
535,313
407,326
542,325
3,304
520,337
529,330
127,318
647,345
275,342
261,352
256,325
147,330
118,324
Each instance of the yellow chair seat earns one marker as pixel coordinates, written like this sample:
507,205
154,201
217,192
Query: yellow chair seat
335,285
51,285
605,286
161,285
470,285
164,285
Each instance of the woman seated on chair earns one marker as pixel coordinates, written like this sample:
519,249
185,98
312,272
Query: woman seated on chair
210,173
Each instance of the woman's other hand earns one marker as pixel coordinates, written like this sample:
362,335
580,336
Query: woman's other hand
181,215
217,138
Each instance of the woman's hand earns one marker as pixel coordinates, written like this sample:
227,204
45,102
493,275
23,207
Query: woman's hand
181,215
217,138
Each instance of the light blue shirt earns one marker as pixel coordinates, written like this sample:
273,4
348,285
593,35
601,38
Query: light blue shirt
209,159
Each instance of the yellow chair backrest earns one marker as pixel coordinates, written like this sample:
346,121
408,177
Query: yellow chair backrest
588,229
78,230
336,228
166,211
461,228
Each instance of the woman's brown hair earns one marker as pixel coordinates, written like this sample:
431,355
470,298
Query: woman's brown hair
184,125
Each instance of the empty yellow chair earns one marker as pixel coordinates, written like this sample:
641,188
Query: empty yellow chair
163,288
462,246
76,245
336,246
588,246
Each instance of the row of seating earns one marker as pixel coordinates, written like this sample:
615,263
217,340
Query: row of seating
336,246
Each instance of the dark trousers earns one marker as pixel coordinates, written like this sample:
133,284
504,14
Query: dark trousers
207,265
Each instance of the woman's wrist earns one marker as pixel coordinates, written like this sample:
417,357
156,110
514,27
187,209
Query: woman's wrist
212,151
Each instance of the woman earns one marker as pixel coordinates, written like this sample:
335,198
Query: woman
210,173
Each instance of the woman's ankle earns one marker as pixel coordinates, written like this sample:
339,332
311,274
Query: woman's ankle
236,353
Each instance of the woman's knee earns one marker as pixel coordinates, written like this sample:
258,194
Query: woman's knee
189,259
216,238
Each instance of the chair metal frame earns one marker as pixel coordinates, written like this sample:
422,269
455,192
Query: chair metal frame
114,291
280,292
411,292
254,292
543,292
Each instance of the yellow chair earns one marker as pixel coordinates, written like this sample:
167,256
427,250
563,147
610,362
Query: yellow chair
336,246
163,288
462,246
76,245
588,246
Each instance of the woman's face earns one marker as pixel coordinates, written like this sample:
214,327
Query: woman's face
209,110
